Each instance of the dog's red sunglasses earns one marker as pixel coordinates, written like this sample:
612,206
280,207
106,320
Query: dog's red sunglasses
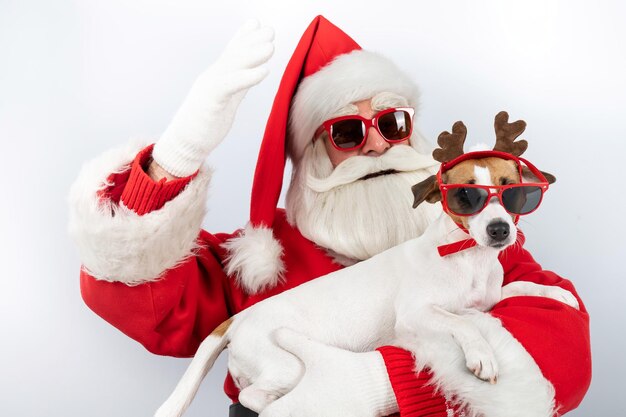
470,199
348,133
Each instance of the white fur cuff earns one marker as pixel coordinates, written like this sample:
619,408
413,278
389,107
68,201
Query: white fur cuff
115,243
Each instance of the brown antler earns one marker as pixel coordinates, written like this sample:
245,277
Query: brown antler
507,132
451,143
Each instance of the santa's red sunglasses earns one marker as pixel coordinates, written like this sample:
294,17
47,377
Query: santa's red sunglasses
470,199
348,133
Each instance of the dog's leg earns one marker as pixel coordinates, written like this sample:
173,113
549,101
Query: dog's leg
521,288
431,321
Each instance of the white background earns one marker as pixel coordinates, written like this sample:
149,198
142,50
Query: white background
77,78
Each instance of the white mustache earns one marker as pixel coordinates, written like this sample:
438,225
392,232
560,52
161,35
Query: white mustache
401,158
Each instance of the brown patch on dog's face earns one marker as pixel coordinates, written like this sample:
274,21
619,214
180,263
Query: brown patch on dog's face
222,328
501,172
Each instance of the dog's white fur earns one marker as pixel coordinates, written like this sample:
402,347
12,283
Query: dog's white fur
413,298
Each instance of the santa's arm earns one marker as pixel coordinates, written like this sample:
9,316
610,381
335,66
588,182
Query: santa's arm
148,269
540,342
542,348
553,333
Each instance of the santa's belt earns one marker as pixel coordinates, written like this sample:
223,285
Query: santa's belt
238,410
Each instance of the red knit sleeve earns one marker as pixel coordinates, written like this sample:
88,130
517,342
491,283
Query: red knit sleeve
415,396
137,191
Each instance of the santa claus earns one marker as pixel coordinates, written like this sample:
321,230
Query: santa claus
344,116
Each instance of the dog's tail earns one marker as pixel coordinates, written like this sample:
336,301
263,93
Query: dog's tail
202,363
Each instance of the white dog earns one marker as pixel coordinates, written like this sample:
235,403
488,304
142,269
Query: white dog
408,294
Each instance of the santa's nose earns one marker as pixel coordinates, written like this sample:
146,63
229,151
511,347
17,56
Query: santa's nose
375,144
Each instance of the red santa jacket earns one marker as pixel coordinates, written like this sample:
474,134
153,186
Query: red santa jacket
171,312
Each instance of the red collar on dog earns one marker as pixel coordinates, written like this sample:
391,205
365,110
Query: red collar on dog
455,247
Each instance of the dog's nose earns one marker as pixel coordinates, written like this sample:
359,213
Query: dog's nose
498,231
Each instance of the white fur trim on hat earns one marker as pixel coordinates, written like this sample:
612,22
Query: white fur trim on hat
349,78
117,244
255,259
521,390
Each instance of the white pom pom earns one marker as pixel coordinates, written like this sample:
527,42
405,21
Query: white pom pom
255,259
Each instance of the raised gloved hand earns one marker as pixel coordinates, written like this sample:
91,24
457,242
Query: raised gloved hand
336,382
206,115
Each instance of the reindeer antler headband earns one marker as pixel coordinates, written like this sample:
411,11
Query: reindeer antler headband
451,144
451,151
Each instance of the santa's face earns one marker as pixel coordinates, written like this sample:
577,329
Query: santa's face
340,200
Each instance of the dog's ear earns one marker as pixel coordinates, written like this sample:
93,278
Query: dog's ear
551,178
530,177
427,190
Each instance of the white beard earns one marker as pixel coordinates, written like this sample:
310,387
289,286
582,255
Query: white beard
355,219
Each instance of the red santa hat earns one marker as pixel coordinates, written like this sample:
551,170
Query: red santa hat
327,71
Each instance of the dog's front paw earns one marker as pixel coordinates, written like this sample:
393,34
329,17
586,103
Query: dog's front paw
481,361
562,295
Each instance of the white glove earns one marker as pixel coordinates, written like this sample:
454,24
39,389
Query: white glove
336,382
206,115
